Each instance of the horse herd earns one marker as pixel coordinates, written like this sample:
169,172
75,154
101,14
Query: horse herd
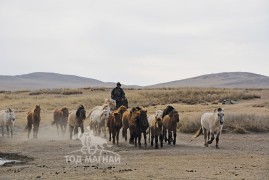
160,127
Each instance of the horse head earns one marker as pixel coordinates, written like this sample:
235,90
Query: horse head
220,115
134,116
143,119
81,113
174,116
117,119
65,112
11,114
168,110
159,114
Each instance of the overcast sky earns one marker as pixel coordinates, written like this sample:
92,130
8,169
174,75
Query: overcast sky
140,42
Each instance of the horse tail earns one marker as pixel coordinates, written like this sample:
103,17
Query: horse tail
26,128
198,133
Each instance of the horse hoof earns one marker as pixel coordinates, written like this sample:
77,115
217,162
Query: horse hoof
156,147
217,146
206,145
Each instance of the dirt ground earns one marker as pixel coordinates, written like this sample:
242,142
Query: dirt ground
240,156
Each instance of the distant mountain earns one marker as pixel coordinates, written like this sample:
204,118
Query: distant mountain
221,80
43,80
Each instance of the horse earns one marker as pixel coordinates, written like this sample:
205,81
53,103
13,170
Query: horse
125,124
130,119
111,103
114,123
60,117
138,124
158,115
143,124
7,119
167,110
33,119
211,123
98,117
170,123
156,129
76,120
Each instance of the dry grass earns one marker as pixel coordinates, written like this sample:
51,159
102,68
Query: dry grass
237,123
190,102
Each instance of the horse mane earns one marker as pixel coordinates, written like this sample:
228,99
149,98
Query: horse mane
168,110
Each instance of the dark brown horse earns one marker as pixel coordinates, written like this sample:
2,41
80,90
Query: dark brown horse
170,123
33,120
114,123
138,124
76,120
143,124
60,117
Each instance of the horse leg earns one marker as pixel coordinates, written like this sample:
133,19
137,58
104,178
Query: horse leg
2,130
11,131
135,138
125,132
165,134
118,132
64,129
57,126
149,135
217,140
7,130
139,138
71,128
113,135
104,130
156,142
152,138
132,136
175,137
76,132
205,137
212,138
109,132
29,129
145,138
169,136
82,130
161,140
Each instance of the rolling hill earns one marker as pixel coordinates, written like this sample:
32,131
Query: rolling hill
43,80
221,80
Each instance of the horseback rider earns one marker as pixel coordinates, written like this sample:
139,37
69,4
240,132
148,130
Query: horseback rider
119,96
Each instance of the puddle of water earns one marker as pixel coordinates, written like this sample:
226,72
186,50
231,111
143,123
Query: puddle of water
4,161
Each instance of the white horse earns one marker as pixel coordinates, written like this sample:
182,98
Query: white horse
7,119
98,117
211,123
157,116
111,103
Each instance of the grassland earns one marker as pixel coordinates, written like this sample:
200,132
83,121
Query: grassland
250,114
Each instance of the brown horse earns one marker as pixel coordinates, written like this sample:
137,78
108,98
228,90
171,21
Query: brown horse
125,124
133,121
114,123
33,119
170,123
76,120
60,117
